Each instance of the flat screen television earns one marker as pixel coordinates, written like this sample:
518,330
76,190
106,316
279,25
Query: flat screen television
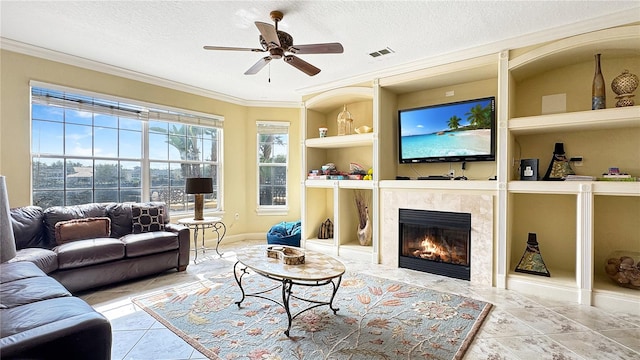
452,132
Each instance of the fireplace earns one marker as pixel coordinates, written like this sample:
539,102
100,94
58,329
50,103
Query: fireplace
436,242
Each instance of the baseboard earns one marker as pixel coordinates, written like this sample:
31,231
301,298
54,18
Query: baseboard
211,241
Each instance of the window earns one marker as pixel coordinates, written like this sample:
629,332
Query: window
89,149
273,155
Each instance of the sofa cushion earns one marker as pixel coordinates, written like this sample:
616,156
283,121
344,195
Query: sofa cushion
28,229
55,214
89,252
81,229
147,218
45,259
30,290
36,318
120,215
150,243
13,271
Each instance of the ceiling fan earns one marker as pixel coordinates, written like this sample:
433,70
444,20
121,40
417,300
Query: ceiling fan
278,43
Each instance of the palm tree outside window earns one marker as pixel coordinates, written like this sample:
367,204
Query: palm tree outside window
94,148
272,155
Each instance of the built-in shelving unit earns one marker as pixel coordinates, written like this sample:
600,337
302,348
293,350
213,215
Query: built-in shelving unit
567,216
334,199
577,223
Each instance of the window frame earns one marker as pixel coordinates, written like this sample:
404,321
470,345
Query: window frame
275,127
123,107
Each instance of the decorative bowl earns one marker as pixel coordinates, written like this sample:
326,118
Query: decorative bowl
363,129
623,268
287,255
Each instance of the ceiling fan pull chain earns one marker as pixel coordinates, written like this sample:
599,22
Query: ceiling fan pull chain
269,73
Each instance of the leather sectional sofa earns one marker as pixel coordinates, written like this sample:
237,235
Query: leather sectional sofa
63,250
95,255
42,320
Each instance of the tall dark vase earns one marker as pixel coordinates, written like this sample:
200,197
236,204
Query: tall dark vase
559,166
598,95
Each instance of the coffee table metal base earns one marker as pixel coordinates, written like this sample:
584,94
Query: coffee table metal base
287,289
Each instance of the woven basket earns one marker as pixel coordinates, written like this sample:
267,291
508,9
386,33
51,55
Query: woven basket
625,83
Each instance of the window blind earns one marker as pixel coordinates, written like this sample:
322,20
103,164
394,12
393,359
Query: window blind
61,98
272,127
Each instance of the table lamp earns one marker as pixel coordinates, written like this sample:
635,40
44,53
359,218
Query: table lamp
199,187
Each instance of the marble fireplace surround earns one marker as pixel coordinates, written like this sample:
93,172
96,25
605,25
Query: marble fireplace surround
480,207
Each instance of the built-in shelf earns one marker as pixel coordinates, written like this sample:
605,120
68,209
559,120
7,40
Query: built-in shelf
344,184
440,184
623,117
561,284
356,251
460,72
344,141
616,188
621,41
327,184
356,184
337,97
575,187
335,198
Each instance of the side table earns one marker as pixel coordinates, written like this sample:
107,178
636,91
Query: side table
214,223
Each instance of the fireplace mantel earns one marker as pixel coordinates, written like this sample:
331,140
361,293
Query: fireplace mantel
479,206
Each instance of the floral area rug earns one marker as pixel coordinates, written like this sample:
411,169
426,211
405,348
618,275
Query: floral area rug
377,319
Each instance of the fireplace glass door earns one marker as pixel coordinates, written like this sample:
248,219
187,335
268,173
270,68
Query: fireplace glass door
436,242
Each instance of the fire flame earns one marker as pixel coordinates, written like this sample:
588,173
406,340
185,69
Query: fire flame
432,250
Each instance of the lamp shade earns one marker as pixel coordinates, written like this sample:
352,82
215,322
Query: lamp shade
7,242
199,186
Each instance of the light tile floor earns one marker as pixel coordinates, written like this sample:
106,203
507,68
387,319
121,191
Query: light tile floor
518,327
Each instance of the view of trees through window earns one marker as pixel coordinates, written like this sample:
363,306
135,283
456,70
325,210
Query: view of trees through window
90,150
273,148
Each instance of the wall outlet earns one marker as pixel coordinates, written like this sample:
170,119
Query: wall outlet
237,216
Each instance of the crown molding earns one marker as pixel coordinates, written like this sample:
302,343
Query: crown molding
47,54
616,19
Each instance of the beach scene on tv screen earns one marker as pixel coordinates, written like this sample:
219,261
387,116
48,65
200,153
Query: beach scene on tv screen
449,130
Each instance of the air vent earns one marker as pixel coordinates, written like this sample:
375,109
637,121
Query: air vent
385,51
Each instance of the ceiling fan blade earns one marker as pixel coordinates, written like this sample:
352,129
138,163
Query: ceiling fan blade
268,32
258,66
231,48
301,65
326,48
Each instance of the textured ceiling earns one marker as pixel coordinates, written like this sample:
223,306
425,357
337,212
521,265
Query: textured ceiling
164,39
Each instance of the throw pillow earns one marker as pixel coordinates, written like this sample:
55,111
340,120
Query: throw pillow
81,229
147,218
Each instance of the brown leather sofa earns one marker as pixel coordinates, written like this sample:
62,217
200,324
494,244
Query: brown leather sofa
40,319
79,248
119,254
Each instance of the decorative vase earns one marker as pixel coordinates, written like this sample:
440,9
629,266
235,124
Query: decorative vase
364,234
623,268
531,261
364,223
598,95
344,122
559,166
624,85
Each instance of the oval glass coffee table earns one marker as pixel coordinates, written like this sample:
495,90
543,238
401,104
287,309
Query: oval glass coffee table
318,270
